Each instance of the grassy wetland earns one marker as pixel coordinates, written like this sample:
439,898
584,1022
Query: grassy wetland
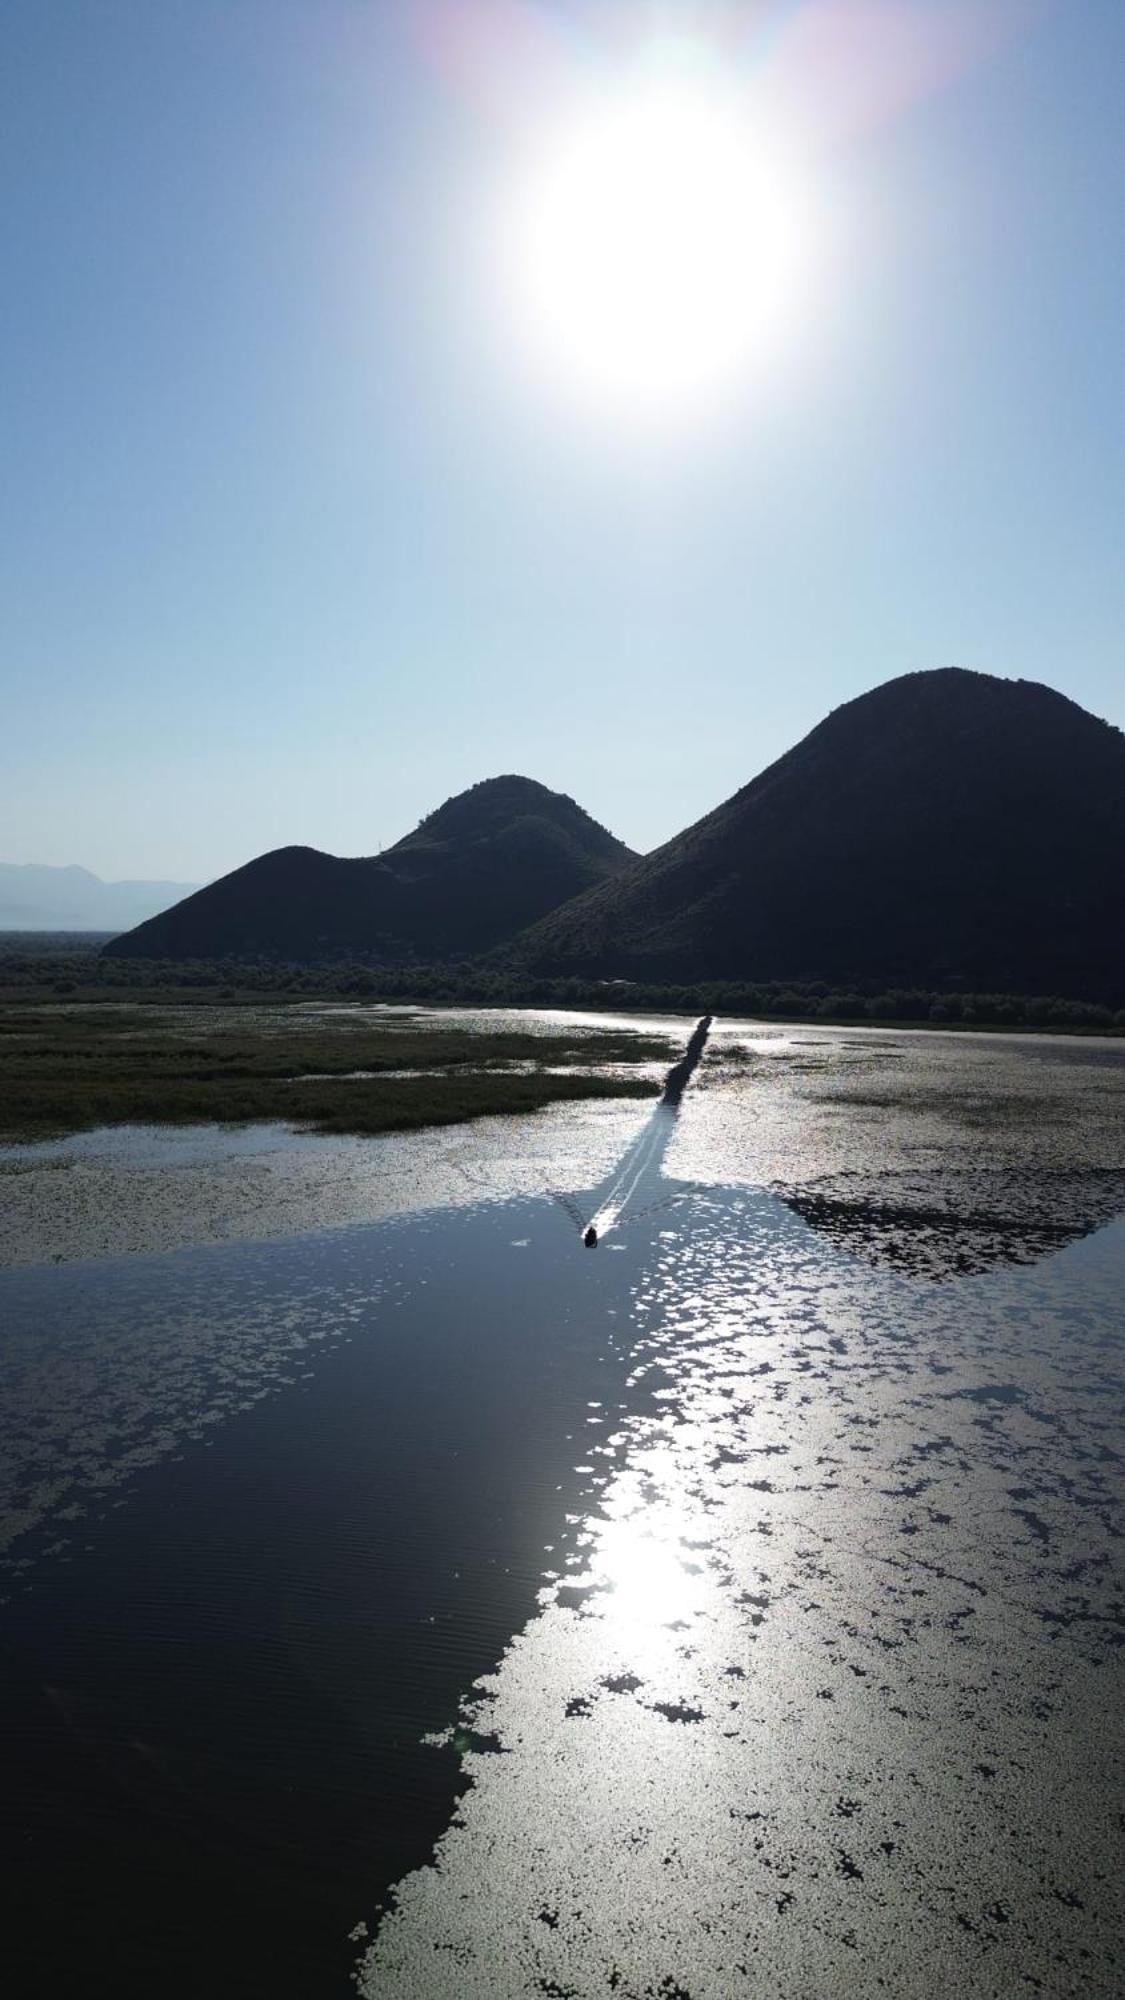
67,1067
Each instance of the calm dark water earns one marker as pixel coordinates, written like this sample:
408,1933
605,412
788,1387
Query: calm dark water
214,1693
769,1554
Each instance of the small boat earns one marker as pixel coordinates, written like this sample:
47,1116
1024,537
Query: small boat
590,1239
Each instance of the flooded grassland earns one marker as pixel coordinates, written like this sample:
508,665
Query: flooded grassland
400,1593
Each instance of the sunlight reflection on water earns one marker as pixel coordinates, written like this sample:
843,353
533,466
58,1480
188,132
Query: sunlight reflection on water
800,1507
848,1586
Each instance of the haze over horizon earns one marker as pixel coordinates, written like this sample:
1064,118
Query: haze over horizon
307,527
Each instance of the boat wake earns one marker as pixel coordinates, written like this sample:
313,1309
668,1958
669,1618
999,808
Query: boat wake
640,1169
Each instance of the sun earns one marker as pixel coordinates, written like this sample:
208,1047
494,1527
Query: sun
657,245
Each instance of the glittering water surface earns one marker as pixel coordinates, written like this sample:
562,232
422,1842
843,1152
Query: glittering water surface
821,1700
733,1607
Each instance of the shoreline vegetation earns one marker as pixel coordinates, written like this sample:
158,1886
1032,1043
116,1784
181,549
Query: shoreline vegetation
70,1069
39,967
88,1042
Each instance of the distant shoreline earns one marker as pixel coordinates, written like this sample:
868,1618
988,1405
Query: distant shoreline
40,968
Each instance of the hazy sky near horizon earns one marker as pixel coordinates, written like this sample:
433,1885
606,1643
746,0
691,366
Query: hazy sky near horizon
305,529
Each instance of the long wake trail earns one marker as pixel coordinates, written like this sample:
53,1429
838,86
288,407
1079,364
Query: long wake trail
645,1154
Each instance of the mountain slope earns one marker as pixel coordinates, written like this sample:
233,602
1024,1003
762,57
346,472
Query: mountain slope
34,897
946,828
475,872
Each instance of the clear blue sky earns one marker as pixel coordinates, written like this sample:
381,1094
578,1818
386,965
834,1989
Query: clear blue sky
294,542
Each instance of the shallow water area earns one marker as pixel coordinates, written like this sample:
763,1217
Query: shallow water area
731,1607
823,1698
140,1189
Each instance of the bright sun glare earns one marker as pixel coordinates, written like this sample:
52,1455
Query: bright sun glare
658,244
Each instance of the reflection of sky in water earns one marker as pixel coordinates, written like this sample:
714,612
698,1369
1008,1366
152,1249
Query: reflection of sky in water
810,1683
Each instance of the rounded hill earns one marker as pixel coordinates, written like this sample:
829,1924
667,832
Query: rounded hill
475,872
946,829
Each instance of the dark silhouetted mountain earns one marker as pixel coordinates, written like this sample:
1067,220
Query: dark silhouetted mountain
947,829
475,872
34,897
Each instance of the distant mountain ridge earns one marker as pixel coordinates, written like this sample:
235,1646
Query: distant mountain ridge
946,829
36,897
471,876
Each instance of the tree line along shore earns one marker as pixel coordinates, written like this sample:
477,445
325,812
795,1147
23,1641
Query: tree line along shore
40,970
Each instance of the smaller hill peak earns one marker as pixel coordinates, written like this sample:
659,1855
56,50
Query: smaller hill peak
474,873
492,804
504,794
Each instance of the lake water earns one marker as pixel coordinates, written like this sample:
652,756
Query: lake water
432,1603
